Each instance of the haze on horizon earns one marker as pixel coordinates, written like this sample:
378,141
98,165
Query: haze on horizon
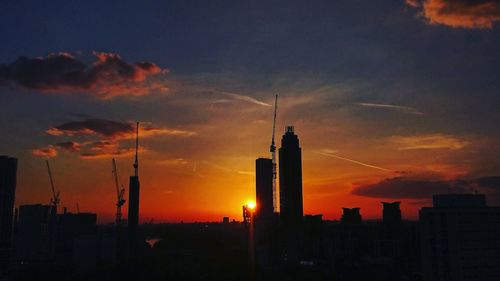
391,101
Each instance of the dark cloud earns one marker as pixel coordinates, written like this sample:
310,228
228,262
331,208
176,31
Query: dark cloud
107,77
411,188
101,127
459,13
109,129
69,146
492,182
402,187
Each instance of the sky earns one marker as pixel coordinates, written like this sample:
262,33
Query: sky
391,100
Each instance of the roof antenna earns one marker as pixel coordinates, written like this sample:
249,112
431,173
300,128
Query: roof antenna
136,163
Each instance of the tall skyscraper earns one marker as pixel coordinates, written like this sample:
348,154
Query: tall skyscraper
291,210
8,172
460,239
290,172
133,199
391,214
264,188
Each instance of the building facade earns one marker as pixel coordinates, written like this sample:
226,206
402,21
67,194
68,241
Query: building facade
460,239
8,175
290,175
264,188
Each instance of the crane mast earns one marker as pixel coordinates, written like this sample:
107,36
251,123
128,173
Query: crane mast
119,194
273,156
55,195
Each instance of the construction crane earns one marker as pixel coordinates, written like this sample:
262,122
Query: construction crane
273,154
55,194
119,195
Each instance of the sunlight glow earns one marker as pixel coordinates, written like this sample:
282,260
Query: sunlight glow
251,205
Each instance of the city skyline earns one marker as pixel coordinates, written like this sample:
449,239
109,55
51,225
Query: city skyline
392,102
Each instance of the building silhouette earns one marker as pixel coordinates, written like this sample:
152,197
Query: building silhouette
290,175
76,238
133,200
33,238
391,213
264,189
460,239
133,204
291,208
351,216
8,174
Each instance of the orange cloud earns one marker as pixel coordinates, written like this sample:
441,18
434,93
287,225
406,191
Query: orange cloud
69,146
47,152
432,141
459,13
108,77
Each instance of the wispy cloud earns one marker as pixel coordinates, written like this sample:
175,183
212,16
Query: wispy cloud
399,108
245,98
109,153
432,141
331,153
173,162
229,170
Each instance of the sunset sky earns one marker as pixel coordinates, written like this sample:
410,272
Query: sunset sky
391,100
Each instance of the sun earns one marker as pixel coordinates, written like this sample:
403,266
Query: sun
251,204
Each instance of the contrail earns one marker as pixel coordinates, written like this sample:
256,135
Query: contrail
353,161
403,109
245,98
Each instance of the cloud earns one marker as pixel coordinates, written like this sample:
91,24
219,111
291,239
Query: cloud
119,152
107,149
331,153
413,3
491,182
101,127
399,108
109,129
242,98
108,76
173,162
109,134
405,188
459,13
419,188
47,152
432,141
69,146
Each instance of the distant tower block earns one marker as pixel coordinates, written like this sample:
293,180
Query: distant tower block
290,172
351,216
391,213
8,175
264,188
